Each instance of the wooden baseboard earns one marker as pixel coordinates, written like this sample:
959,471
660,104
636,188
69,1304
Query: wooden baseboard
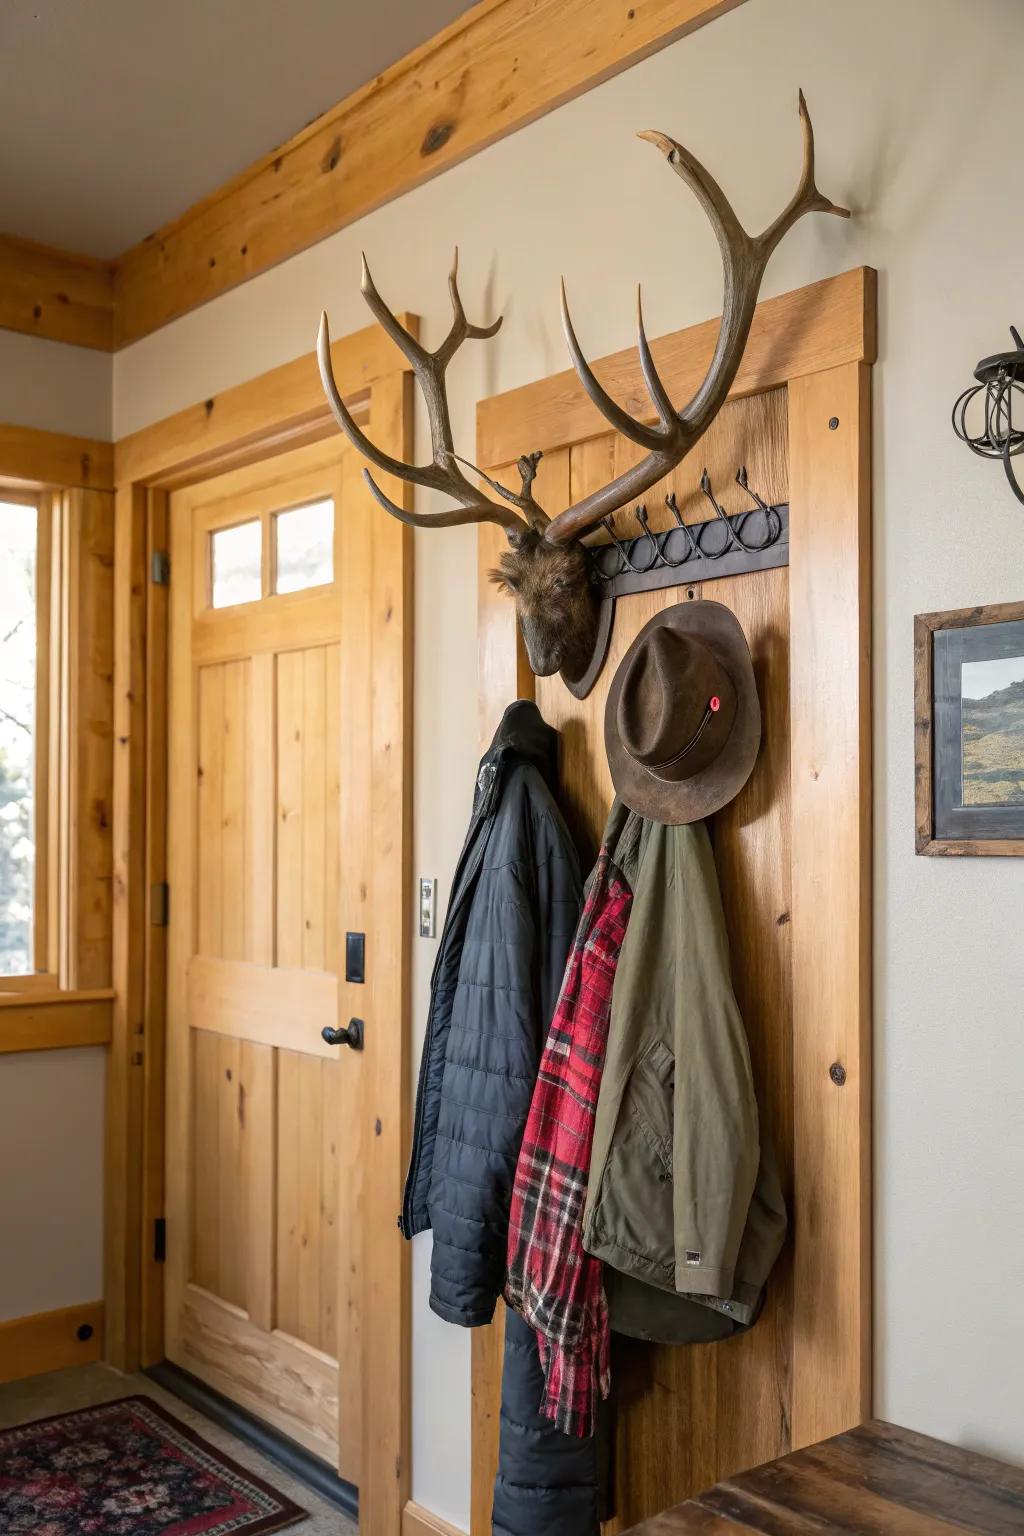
48,1341
417,1521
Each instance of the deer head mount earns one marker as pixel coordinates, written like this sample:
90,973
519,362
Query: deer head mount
545,568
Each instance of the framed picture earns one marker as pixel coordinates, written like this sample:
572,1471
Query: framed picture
969,718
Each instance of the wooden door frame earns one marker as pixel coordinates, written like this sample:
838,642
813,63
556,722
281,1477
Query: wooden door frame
820,342
282,409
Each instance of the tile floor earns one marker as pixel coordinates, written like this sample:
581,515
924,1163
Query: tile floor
84,1385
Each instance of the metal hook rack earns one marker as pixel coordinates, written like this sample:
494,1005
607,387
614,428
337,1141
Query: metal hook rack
725,544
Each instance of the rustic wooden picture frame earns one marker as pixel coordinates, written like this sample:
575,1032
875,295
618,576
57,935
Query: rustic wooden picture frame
925,627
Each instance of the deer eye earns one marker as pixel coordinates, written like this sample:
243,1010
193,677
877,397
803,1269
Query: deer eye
512,582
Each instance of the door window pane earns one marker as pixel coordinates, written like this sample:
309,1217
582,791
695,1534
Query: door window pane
18,553
304,547
237,555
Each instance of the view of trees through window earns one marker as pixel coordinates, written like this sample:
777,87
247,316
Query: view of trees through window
18,543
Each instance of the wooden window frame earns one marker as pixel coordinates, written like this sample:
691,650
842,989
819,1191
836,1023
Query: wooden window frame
46,1008
282,409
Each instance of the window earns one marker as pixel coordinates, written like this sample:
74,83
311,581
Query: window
304,547
24,732
237,560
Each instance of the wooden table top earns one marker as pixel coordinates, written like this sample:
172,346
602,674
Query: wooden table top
877,1480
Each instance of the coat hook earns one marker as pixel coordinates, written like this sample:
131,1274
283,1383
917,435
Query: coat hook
732,542
656,556
773,522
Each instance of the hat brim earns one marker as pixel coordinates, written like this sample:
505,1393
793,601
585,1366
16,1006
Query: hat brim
675,803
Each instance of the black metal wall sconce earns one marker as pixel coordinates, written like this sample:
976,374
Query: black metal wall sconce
999,378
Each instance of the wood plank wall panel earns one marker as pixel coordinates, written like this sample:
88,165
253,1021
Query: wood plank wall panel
500,66
793,858
686,1417
308,797
307,1176
55,294
831,584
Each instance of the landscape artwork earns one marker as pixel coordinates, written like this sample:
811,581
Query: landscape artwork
992,731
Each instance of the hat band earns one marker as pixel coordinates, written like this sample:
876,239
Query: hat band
670,762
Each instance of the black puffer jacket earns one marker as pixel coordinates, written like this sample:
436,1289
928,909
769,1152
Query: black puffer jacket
513,911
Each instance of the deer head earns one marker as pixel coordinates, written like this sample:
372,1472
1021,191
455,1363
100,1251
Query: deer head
545,568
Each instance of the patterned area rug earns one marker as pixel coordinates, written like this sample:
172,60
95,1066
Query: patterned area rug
129,1469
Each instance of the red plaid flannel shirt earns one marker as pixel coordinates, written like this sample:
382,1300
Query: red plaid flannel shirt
551,1280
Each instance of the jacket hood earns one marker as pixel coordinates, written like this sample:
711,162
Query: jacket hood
523,732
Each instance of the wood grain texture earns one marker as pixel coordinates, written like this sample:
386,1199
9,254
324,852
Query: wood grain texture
417,1521
280,409
281,1380
878,1478
49,1022
386,1301
830,590
55,459
685,1418
87,865
56,295
48,1341
801,332
925,626
501,65
154,874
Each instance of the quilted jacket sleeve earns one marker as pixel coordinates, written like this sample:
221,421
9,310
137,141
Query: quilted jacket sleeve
518,933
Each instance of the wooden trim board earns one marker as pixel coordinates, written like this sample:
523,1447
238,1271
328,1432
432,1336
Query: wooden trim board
499,66
56,294
417,1521
820,326
48,1341
54,1021
43,460
277,410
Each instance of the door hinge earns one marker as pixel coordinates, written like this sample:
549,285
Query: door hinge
160,904
160,568
159,1240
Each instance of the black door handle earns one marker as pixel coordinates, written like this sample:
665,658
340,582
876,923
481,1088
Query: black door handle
351,1035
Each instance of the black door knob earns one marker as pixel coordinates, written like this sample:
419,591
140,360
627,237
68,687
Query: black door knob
351,1035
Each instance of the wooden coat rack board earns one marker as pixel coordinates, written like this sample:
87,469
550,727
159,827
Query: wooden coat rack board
793,854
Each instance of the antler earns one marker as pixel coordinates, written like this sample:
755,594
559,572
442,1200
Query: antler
444,473
744,258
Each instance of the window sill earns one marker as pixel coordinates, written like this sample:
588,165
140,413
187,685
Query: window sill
47,1021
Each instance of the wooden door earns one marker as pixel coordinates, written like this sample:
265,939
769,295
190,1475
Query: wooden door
268,634
792,853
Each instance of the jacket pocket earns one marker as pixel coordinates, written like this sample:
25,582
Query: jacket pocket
649,1095
633,1226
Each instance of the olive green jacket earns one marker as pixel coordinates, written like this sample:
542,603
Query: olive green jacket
684,1193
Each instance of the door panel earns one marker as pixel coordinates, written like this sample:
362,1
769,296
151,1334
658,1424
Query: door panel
262,1254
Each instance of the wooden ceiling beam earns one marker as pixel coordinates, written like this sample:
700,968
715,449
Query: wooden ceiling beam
501,65
55,294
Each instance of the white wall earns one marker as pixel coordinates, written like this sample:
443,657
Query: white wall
51,1103
915,106
51,1180
59,388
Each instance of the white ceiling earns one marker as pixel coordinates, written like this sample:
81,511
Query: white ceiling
116,115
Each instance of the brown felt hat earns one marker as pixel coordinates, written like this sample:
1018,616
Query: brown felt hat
683,724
